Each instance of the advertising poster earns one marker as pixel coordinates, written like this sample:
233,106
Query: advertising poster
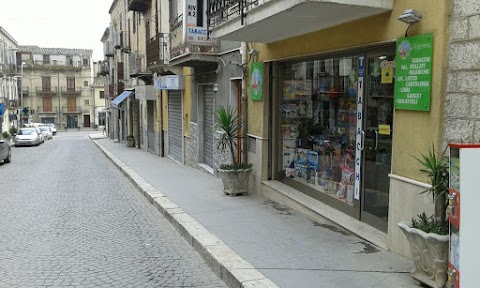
413,76
297,89
256,86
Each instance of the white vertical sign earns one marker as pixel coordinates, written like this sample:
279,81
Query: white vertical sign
360,133
195,22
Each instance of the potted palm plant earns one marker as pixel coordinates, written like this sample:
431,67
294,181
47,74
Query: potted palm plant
234,175
428,235
130,141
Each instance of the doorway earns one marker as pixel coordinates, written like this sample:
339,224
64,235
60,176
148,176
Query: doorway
378,129
72,121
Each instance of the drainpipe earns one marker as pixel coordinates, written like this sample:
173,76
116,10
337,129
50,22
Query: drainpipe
244,54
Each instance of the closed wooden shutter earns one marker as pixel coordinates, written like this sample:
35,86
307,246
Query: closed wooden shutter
47,104
71,104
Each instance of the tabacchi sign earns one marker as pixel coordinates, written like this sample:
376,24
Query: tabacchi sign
195,22
413,77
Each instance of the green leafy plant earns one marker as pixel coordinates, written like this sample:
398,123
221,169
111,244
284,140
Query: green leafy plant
130,137
227,120
436,167
12,130
5,135
428,224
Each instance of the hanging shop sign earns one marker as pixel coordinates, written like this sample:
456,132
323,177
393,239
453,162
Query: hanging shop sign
256,85
1,109
195,18
413,76
169,82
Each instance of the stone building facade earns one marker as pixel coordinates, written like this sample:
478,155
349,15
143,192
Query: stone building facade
462,105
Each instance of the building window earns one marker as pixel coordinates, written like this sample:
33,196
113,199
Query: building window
86,102
46,84
69,60
70,84
85,83
85,62
102,94
46,59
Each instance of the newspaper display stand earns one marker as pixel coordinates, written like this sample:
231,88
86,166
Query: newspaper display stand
463,215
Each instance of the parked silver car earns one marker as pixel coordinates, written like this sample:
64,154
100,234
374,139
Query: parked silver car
52,126
28,137
46,131
5,151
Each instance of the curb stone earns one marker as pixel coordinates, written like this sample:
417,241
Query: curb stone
228,265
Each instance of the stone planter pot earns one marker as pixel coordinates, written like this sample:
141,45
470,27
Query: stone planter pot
130,142
235,182
430,255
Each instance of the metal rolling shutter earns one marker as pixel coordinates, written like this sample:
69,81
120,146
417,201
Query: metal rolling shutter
208,125
175,125
151,124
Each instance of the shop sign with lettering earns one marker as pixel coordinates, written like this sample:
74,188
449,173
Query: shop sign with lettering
413,75
360,134
195,23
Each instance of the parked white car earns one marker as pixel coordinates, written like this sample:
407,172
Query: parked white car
5,151
46,131
27,137
52,126
42,138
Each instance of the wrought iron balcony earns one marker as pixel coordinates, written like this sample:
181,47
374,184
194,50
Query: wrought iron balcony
8,69
71,91
71,109
158,50
273,20
137,65
25,91
46,91
108,49
47,109
104,68
141,6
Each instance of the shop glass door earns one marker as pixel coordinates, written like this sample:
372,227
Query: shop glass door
378,129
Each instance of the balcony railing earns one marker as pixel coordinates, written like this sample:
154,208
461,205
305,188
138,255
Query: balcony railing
158,50
25,91
104,68
108,48
9,69
74,91
46,90
139,5
219,11
47,110
252,20
72,110
137,64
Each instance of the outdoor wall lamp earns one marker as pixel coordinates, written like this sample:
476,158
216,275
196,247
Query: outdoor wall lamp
410,16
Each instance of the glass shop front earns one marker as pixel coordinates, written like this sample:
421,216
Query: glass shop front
335,127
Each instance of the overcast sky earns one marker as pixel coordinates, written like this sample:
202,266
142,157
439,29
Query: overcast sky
57,23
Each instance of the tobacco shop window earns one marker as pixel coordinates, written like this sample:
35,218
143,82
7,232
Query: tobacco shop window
317,122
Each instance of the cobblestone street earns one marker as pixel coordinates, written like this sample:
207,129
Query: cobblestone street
69,218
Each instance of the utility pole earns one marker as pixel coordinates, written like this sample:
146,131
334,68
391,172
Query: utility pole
20,122
59,94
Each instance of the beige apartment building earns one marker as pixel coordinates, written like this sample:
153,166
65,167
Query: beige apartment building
57,86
